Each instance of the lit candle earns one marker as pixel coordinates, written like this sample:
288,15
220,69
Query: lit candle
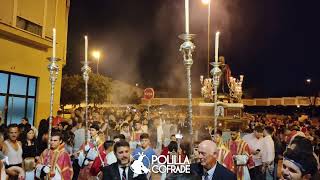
86,49
187,15
54,43
217,47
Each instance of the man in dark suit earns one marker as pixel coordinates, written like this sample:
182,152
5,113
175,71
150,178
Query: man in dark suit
209,168
120,170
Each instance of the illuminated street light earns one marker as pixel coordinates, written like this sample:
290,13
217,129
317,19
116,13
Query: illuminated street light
308,81
96,55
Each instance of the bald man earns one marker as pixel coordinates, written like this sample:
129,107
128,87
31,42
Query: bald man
209,168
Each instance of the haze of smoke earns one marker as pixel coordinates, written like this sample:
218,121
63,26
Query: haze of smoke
170,23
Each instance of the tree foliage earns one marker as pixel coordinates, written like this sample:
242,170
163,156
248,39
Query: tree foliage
71,92
73,89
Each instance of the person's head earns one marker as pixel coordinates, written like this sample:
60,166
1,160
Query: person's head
173,146
59,113
13,131
94,129
125,127
119,137
137,125
258,132
122,151
235,133
107,145
56,140
62,125
173,137
268,131
207,154
216,137
24,120
298,166
30,134
301,144
144,140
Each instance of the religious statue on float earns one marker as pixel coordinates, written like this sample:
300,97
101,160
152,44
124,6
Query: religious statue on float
229,88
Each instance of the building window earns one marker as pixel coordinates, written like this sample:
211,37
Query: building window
29,26
17,97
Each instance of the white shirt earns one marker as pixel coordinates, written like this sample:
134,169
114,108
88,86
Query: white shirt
121,171
210,172
254,144
14,156
267,150
79,140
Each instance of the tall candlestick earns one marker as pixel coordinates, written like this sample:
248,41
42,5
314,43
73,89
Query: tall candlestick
217,47
86,49
187,15
54,43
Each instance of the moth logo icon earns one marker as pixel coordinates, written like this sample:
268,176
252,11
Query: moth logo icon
138,167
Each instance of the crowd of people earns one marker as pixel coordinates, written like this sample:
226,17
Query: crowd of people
270,147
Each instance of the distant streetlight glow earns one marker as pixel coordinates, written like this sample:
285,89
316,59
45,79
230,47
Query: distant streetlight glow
308,80
96,55
205,2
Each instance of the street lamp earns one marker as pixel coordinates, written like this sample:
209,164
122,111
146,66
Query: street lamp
208,2
96,55
308,81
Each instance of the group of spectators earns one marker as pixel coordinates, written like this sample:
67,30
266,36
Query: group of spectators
270,147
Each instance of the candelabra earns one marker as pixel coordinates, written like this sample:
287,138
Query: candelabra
85,73
235,88
207,88
187,47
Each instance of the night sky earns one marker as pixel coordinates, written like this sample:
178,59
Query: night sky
274,43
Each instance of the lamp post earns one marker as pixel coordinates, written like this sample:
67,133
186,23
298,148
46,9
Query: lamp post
208,3
187,47
96,55
310,93
308,81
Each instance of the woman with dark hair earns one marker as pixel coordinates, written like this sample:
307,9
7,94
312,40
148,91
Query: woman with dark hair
42,139
29,144
29,152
